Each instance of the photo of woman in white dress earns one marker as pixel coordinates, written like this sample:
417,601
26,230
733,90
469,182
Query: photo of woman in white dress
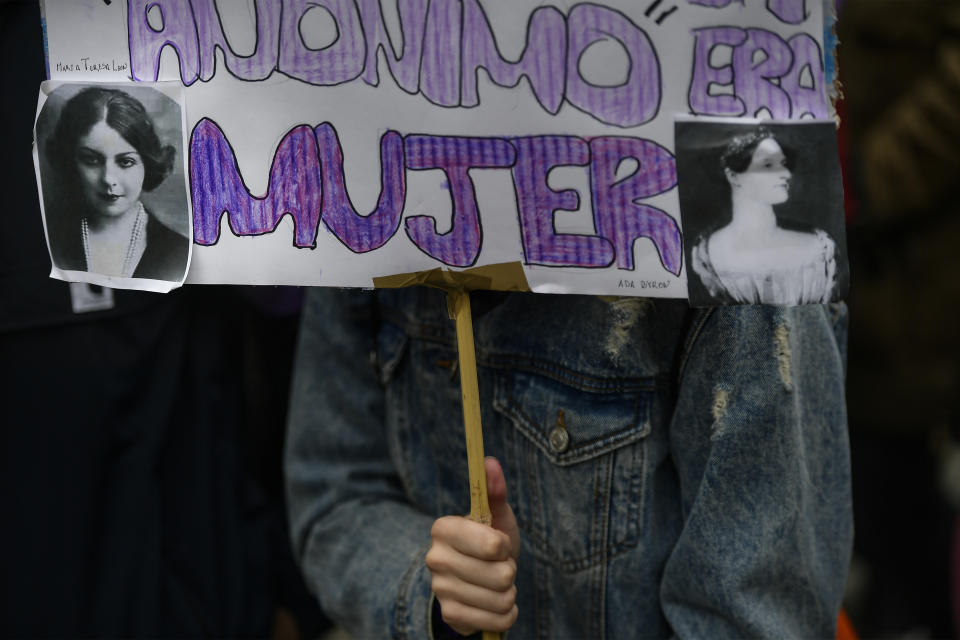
101,158
753,255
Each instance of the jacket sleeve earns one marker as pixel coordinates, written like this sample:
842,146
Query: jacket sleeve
759,440
359,542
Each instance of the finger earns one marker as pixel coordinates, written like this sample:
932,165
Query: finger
472,538
496,482
498,576
448,587
467,620
503,517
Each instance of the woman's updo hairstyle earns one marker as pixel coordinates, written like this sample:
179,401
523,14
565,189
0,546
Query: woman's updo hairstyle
120,111
738,153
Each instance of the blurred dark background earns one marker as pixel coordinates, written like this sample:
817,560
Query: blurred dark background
140,481
899,62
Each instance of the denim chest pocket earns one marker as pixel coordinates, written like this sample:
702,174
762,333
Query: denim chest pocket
575,459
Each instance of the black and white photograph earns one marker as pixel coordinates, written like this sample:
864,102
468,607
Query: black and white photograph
762,210
110,163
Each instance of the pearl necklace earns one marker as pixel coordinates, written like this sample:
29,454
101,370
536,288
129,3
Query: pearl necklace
135,245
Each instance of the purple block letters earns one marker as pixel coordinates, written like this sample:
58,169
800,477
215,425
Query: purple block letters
788,11
216,187
617,213
307,182
444,45
361,233
765,71
537,202
459,247
638,99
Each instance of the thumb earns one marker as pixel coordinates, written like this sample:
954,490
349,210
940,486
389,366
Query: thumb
503,518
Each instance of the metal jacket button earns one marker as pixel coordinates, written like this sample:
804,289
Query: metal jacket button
559,439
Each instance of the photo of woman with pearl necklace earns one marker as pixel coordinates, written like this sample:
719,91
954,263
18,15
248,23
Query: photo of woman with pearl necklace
102,165
762,212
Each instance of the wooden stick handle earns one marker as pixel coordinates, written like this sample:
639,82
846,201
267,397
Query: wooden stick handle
470,392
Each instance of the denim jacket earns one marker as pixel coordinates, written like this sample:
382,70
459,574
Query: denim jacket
700,487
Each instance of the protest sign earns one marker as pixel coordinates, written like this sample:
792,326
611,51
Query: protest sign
339,142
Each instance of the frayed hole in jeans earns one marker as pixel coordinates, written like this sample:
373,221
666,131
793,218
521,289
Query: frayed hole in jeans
782,347
721,399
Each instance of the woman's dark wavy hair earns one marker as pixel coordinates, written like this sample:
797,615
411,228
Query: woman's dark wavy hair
120,111
738,153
